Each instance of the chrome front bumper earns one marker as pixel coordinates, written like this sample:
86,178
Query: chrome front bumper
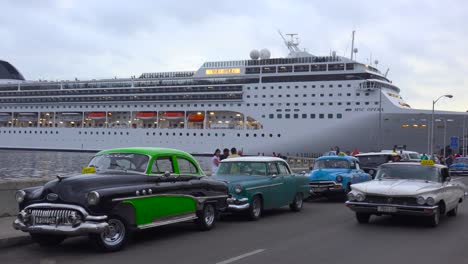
82,229
235,204
372,208
85,225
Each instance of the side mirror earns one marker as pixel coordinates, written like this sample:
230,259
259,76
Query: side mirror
167,174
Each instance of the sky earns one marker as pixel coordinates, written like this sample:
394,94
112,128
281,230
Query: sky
422,43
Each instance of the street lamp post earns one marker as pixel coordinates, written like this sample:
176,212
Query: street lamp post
432,123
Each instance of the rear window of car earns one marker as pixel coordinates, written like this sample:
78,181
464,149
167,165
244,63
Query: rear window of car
374,160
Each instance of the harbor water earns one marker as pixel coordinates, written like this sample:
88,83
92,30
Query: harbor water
43,164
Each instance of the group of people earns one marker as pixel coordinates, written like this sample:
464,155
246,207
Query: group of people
218,157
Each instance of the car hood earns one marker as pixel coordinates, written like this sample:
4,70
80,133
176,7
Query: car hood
396,187
458,166
326,174
236,179
74,188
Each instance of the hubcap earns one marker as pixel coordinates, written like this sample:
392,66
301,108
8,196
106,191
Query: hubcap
256,207
209,214
298,201
114,234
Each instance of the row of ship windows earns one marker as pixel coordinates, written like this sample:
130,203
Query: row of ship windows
110,106
188,105
185,89
127,133
98,99
305,95
304,116
313,104
30,132
209,134
297,86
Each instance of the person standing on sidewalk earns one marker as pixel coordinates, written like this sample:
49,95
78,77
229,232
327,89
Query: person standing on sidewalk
215,161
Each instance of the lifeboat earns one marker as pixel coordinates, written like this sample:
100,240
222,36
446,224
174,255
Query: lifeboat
97,115
146,115
72,116
5,117
27,116
173,115
196,117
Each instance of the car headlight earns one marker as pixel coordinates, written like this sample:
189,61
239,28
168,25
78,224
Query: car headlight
93,198
360,197
430,201
339,178
421,200
19,196
238,189
351,197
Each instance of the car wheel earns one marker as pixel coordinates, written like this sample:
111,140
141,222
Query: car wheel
255,209
47,240
453,212
297,203
434,219
206,217
363,218
115,237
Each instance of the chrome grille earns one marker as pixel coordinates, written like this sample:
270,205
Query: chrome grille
390,200
52,216
321,184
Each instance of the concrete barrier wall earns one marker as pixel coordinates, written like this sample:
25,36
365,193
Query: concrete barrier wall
8,187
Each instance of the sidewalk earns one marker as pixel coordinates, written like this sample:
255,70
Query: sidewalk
10,237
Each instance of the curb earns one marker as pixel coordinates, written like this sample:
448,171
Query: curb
15,241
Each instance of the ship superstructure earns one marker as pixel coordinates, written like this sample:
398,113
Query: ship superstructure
298,105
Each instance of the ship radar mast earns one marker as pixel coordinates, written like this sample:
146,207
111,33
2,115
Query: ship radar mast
293,45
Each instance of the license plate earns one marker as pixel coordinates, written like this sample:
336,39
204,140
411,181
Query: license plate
386,209
45,220
320,189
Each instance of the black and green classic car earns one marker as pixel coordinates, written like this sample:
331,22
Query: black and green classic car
258,183
121,190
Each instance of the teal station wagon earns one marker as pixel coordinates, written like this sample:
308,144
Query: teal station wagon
258,183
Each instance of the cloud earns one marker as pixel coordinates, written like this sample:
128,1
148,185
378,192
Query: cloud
423,43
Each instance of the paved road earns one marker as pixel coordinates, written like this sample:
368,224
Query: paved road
324,232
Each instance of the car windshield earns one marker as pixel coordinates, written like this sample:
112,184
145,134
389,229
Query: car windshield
120,161
331,164
407,171
374,160
460,161
242,168
414,156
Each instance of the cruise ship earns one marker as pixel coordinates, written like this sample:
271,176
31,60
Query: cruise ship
299,105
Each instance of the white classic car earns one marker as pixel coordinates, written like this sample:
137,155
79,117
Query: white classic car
407,188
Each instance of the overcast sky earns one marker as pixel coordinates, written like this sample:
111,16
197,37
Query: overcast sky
424,43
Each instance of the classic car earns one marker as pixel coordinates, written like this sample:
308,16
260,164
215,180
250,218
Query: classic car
121,190
335,174
459,166
369,162
407,188
259,183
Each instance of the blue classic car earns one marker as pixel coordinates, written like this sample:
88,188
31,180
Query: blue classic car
258,183
335,174
459,166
